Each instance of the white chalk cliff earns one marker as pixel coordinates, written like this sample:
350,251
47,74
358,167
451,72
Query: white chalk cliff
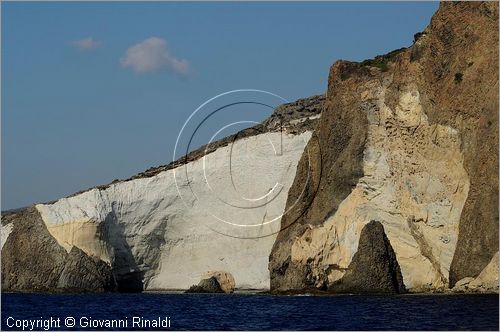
220,212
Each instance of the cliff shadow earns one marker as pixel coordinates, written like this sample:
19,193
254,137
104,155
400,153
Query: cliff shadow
129,277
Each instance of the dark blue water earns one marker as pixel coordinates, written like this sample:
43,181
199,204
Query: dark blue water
261,312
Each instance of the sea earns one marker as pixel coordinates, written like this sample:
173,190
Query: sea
160,311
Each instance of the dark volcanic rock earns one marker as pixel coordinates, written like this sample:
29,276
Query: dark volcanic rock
374,267
32,260
210,285
328,171
85,273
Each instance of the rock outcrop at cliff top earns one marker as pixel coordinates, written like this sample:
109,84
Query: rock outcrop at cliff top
409,139
154,238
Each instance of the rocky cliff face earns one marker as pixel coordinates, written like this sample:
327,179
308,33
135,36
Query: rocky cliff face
387,185
167,227
410,140
32,260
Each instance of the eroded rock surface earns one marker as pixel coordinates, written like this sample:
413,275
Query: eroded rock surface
209,285
32,260
374,267
485,282
225,280
214,282
404,141
82,273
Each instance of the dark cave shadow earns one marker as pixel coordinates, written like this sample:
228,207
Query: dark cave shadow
129,277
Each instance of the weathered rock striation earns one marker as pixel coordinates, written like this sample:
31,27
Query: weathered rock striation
409,139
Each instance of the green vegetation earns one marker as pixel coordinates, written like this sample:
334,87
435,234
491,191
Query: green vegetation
458,77
417,36
381,61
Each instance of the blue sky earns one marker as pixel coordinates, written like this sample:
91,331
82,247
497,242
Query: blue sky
92,92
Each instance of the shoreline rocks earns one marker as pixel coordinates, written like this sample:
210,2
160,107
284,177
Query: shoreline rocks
214,282
374,267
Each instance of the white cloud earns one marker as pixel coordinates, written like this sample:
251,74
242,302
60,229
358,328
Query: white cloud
86,44
152,55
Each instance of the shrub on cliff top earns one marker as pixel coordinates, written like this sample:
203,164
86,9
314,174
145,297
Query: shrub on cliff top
381,61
